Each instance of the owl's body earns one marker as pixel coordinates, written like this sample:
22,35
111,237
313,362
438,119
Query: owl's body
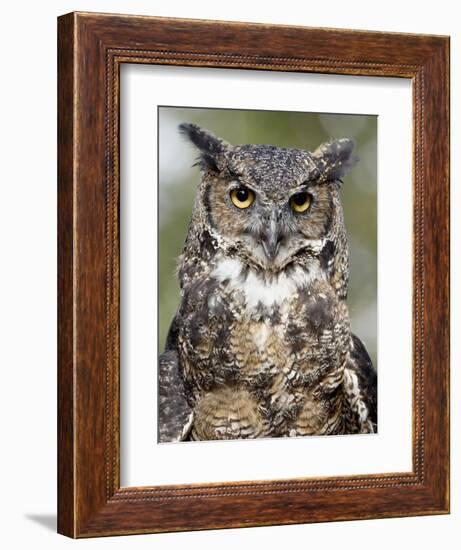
261,345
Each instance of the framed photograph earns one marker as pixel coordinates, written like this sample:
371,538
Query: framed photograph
253,275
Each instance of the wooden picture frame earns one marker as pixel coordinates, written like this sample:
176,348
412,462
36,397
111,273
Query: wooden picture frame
92,48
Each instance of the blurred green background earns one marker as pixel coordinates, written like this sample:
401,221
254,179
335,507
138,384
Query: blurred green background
178,181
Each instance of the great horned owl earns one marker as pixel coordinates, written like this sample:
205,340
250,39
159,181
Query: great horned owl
261,344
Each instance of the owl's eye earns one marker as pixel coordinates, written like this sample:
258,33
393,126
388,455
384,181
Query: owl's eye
300,202
242,197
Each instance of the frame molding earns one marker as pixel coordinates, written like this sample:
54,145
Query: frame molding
91,48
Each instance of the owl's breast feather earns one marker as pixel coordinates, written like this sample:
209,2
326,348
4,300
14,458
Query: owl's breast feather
274,336
265,290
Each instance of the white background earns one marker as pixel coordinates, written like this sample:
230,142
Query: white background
28,274
143,462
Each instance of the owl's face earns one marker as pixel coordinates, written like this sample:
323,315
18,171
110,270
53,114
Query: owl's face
273,204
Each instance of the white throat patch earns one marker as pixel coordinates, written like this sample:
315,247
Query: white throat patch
257,289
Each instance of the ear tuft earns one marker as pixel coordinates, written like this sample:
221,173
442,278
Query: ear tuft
335,158
212,149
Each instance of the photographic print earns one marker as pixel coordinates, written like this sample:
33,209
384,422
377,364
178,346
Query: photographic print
267,274
217,289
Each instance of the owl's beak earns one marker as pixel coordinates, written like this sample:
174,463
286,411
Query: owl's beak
271,238
271,245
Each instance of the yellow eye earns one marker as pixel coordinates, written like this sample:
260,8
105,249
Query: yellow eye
242,197
300,202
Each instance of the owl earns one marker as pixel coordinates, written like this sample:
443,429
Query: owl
261,344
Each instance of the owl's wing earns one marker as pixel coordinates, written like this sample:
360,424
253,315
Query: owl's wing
175,417
362,377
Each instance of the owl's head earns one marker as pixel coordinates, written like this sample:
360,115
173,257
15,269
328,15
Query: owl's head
270,205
